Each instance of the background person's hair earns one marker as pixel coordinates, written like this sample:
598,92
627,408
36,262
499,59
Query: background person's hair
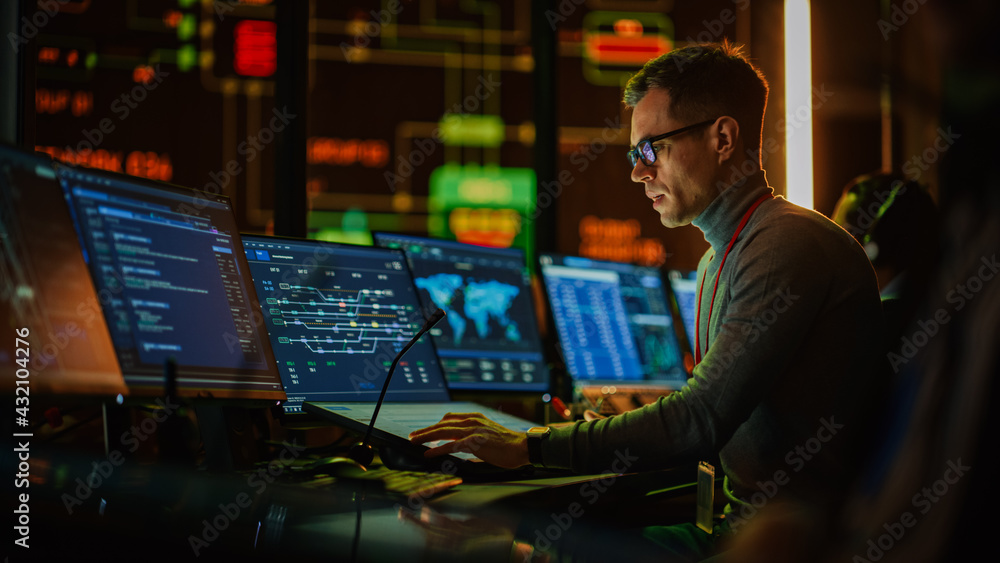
705,82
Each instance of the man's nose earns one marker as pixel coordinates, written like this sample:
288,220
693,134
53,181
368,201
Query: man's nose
641,172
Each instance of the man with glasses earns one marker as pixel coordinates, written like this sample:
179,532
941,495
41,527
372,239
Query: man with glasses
788,313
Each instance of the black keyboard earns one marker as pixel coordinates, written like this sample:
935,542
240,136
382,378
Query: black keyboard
410,484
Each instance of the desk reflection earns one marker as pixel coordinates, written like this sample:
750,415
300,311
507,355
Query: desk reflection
87,510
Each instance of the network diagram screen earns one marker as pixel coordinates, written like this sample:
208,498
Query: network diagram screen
337,315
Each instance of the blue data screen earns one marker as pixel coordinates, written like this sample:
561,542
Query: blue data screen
592,322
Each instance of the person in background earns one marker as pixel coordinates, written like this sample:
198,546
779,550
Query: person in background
896,221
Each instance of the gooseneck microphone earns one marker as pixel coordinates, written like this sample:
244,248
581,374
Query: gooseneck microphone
362,452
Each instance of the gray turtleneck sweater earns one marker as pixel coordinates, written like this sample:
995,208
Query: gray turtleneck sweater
789,360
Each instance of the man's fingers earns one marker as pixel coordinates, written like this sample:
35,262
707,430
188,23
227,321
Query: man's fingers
438,432
454,415
452,421
469,422
463,417
460,445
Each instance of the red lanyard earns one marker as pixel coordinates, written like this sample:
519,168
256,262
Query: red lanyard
697,333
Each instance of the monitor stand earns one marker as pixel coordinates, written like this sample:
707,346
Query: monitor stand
228,436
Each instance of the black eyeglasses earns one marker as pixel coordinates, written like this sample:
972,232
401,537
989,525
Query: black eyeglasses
644,150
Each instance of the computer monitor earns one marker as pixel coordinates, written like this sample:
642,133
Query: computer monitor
337,315
613,320
685,290
53,339
490,339
173,283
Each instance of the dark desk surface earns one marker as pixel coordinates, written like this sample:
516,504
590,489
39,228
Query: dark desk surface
88,508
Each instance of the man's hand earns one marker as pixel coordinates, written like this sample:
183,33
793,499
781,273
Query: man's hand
478,435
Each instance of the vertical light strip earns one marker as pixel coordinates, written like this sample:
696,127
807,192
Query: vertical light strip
798,104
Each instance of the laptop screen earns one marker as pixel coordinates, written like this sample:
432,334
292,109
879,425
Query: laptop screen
46,297
613,320
490,338
685,290
173,283
337,315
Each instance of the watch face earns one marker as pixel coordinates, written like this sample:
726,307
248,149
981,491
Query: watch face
539,431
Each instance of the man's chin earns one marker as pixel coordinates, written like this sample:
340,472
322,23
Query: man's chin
671,222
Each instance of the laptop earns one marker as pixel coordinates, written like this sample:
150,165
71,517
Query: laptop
490,341
615,330
337,315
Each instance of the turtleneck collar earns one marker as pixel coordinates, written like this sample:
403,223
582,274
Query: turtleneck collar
719,220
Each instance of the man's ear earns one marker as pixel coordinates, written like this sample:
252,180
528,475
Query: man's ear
727,137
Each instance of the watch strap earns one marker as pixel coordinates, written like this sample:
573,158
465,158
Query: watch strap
535,437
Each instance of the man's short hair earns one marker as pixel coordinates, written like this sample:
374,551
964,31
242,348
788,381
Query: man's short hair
705,82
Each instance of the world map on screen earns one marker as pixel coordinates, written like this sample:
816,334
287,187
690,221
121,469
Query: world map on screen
475,301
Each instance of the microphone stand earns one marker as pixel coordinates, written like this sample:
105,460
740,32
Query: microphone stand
362,452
